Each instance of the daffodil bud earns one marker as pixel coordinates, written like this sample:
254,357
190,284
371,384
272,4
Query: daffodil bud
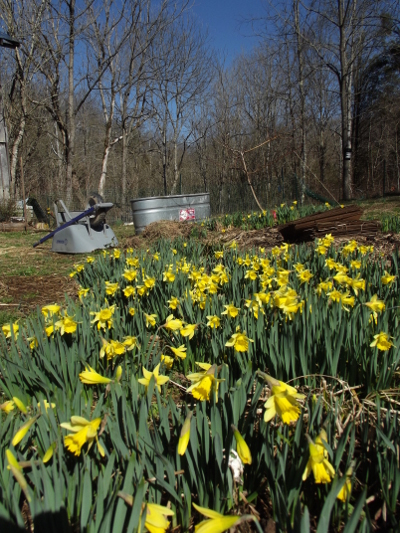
185,434
242,449
118,374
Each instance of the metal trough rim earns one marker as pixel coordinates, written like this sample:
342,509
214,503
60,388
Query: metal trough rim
171,196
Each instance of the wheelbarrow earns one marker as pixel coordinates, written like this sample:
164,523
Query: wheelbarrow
80,232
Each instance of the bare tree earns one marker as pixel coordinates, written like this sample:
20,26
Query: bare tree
182,72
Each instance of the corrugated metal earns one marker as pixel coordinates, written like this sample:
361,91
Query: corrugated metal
148,210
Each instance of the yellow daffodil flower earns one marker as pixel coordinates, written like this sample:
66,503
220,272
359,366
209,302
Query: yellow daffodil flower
90,259
49,310
111,288
111,349
21,406
159,380
318,462
168,276
239,341
132,311
7,328
241,447
82,293
66,324
104,317
188,330
282,402
185,434
167,360
83,431
382,342
173,302
132,262
377,306
204,383
117,253
90,377
217,523
23,430
213,321
150,320
130,274
130,342
179,352
173,323
345,491
304,276
231,311
387,279
7,406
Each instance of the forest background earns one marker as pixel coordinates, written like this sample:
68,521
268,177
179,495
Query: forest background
128,98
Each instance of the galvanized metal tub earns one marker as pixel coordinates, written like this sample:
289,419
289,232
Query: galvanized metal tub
183,207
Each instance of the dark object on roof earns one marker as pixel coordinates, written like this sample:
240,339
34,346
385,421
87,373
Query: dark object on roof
340,221
8,42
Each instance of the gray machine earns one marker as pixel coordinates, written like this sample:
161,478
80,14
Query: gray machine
81,232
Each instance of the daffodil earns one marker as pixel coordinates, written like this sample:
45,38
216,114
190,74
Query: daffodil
49,310
82,293
382,341
345,491
111,349
239,341
21,406
23,430
159,380
387,279
129,291
173,302
150,320
377,306
204,383
155,521
7,328
173,323
242,448
219,255
46,405
231,311
217,523
16,469
49,452
304,276
90,259
168,276
130,274
318,462
117,253
179,352
167,360
130,342
90,377
83,431
188,330
7,406
185,434
213,321
104,317
66,324
111,288
282,402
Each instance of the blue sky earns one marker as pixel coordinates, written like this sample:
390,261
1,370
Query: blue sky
222,17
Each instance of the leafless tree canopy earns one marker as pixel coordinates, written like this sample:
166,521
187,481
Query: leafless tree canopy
129,98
